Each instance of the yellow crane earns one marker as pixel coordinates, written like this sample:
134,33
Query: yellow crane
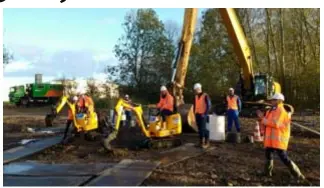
255,88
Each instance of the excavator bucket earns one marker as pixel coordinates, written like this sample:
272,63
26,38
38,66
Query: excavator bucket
188,118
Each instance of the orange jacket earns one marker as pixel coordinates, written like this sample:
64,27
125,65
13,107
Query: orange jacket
166,103
86,102
232,102
200,104
277,128
70,116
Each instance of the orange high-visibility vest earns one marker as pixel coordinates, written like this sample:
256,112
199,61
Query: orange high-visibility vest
232,102
86,102
70,116
166,103
200,104
277,128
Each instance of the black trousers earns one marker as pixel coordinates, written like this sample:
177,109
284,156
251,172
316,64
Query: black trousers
201,121
165,113
68,124
281,153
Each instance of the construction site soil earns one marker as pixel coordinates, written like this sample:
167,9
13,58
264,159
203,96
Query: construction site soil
227,164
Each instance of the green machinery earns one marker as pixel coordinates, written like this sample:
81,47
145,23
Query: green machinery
35,93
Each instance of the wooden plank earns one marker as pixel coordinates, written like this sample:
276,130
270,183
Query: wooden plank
181,153
29,149
126,173
41,169
44,181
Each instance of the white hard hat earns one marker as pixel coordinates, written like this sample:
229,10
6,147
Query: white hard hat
163,88
126,96
197,86
75,98
278,96
231,89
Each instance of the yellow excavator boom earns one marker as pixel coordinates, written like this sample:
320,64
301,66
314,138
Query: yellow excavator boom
152,131
82,122
240,43
182,59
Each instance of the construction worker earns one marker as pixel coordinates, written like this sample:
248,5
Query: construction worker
277,133
166,104
69,119
233,109
85,102
128,113
201,108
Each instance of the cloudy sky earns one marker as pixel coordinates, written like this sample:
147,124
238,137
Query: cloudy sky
64,42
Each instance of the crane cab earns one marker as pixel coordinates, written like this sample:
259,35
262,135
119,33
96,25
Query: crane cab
265,87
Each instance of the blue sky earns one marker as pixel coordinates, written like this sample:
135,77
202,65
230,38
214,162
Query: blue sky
58,42
75,43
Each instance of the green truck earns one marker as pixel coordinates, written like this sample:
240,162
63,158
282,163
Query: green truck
35,93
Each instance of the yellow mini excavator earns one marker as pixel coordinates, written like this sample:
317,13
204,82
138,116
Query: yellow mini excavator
157,137
83,122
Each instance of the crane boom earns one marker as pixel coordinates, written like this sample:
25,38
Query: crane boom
237,36
240,43
180,65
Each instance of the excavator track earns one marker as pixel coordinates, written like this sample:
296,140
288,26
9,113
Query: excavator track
161,143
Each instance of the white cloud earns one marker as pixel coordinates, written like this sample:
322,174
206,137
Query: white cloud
17,66
101,57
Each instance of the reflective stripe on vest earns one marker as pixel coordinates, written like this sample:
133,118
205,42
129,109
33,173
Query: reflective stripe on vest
232,102
200,104
277,131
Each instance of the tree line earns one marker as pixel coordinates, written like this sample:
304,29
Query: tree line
284,42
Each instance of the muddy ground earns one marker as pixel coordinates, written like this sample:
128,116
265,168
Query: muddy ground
228,164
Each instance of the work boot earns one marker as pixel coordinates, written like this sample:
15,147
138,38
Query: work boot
294,170
206,144
268,168
200,143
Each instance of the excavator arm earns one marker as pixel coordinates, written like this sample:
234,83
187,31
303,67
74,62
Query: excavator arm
240,44
56,110
136,109
156,136
180,65
118,112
